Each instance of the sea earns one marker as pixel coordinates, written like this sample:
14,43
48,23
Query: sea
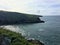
48,32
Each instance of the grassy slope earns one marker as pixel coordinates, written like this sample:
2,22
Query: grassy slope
19,40
16,18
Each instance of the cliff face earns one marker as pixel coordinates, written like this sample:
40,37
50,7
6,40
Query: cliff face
15,17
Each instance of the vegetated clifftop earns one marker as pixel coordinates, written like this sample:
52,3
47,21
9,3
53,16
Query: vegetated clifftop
12,38
16,18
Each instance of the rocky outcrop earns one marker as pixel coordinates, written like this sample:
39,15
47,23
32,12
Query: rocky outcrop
17,18
34,41
8,37
4,40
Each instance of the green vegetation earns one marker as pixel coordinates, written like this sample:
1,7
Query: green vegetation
17,38
18,18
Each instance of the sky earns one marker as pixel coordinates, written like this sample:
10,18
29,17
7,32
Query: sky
41,7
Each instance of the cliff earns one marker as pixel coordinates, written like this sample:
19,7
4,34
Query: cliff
16,18
11,38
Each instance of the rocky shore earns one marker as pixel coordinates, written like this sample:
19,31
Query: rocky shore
11,38
35,42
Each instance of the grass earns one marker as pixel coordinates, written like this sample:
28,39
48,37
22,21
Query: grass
18,39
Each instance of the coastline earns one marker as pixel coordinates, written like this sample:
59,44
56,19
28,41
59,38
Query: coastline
16,38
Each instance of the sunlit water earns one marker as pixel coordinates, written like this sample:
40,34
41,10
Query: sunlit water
48,32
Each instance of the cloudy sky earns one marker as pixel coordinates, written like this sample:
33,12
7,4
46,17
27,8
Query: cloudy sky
42,7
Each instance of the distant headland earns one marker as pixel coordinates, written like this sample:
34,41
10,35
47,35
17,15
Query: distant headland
7,17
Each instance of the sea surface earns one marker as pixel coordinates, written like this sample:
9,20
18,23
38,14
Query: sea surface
48,32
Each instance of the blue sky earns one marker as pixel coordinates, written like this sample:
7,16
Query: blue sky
41,7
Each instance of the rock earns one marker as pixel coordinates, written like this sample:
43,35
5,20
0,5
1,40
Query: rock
35,42
4,40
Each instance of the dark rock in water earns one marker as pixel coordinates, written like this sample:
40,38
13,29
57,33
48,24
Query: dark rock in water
17,18
42,21
4,40
35,42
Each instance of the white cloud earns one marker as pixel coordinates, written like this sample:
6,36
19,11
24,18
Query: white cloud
46,7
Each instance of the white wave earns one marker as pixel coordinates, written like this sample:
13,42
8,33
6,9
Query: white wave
41,30
15,29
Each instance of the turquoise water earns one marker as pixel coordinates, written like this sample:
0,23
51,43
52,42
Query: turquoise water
48,32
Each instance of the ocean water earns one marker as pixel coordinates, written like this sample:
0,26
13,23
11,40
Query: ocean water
48,32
